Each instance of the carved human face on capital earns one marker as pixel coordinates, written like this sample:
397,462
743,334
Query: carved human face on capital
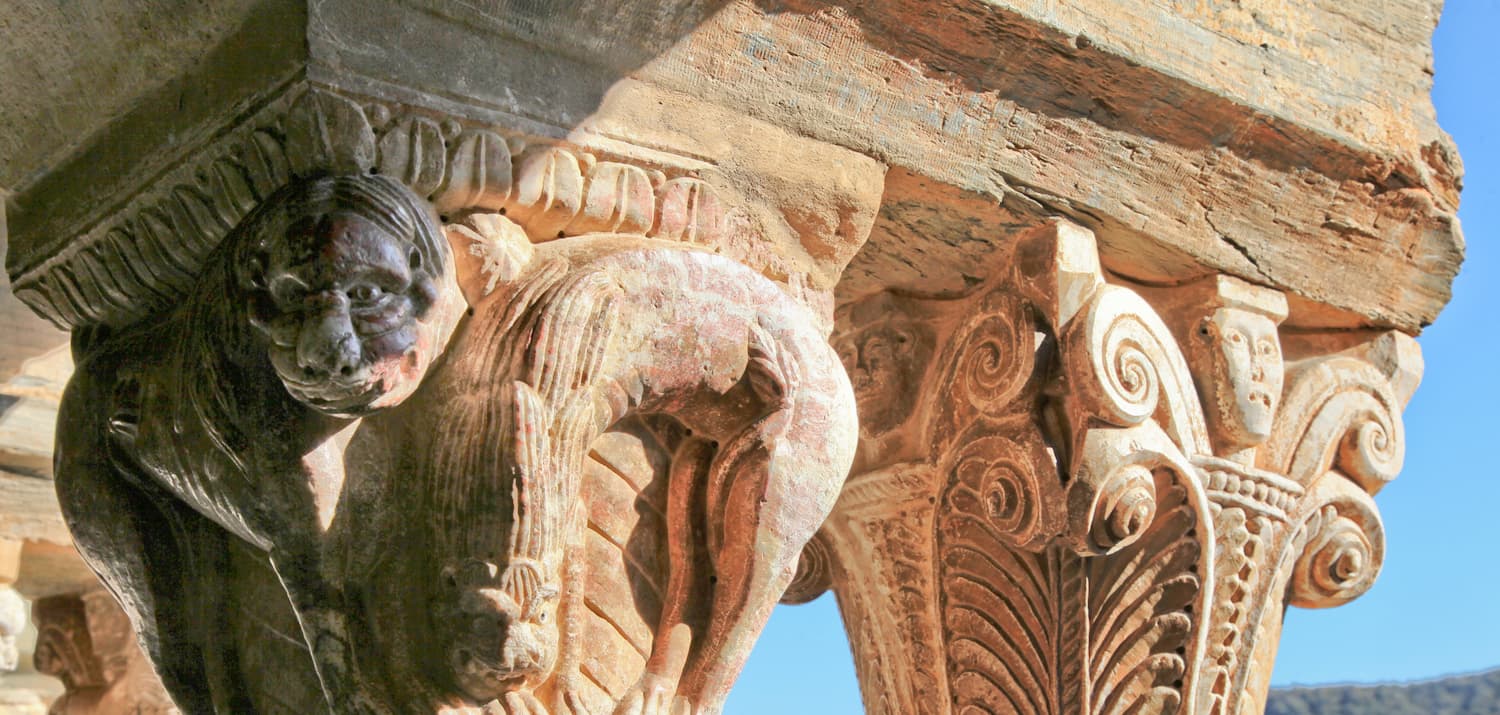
1246,371
885,363
343,311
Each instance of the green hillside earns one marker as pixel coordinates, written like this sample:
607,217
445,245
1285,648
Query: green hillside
1477,694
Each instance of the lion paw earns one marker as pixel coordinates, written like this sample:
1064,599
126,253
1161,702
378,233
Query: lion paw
571,703
654,695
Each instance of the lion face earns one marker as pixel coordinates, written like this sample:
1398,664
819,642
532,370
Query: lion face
349,310
499,631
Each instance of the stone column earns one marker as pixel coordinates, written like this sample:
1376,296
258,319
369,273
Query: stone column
51,605
86,642
520,359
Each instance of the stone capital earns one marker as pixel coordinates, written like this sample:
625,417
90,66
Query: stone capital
1082,521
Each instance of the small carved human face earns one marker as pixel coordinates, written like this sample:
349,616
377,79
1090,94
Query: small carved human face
1246,372
884,364
344,309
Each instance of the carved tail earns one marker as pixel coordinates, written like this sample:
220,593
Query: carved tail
775,375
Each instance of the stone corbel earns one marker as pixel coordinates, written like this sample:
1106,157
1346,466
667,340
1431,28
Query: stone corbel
421,375
1115,487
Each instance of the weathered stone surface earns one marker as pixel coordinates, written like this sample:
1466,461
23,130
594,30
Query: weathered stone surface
507,358
71,69
308,352
1104,510
1284,168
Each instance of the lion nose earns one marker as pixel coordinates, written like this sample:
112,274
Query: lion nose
328,346
520,653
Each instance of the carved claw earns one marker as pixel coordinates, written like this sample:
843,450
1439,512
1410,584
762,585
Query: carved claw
654,695
571,703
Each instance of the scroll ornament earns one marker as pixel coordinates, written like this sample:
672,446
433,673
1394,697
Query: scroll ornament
1273,461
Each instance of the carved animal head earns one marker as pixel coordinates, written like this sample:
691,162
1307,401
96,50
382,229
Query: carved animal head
351,283
501,629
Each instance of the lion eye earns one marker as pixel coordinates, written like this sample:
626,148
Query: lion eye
364,293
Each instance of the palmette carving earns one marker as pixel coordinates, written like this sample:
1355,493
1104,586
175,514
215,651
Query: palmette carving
1127,499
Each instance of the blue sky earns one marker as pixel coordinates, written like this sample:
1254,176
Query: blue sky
1436,607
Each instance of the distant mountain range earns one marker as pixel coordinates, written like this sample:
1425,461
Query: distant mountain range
1476,694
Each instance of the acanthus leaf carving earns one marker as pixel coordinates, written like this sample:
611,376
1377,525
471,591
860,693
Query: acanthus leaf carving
1055,632
1070,568
1163,431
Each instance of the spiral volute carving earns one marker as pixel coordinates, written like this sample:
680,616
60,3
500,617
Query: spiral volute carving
1339,413
1372,452
1123,508
995,359
1343,547
996,484
1124,367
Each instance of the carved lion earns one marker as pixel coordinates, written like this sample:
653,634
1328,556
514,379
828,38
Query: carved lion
328,302
564,340
413,469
